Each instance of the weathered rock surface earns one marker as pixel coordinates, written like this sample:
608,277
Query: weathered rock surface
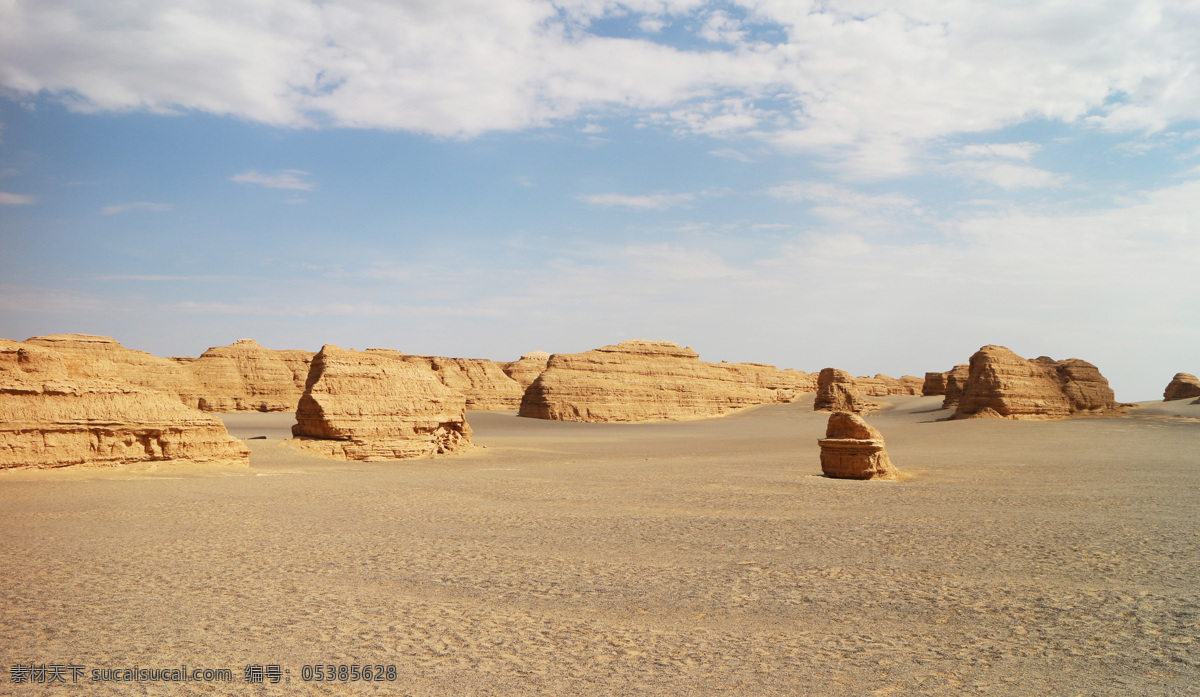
52,415
852,449
837,391
885,385
1182,386
360,405
245,376
640,380
104,358
956,378
484,383
527,368
934,384
1001,384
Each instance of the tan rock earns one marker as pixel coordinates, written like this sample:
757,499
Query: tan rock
50,416
1182,386
852,449
934,384
1001,384
527,369
245,376
101,357
484,383
885,385
363,405
639,380
956,378
837,391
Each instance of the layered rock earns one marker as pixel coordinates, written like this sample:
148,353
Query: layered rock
639,380
885,385
51,416
484,383
527,369
1182,386
837,391
245,376
1001,384
852,449
934,384
956,378
101,357
360,405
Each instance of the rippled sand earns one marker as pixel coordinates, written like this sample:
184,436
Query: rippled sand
699,558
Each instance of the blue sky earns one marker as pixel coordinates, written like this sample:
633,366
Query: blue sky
806,184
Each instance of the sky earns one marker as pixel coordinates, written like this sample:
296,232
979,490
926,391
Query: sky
809,184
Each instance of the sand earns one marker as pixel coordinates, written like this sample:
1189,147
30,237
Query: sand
697,558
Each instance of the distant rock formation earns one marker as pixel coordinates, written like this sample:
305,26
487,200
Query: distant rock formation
360,405
245,376
1001,384
837,391
482,382
934,384
956,378
1182,386
527,369
52,415
101,357
885,385
638,380
852,449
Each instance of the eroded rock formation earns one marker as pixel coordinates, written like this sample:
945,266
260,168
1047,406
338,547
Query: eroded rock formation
934,384
367,405
104,358
956,378
245,376
1182,386
484,383
837,391
852,449
885,385
527,369
53,415
640,380
1001,384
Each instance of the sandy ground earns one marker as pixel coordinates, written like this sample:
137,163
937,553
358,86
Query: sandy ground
699,558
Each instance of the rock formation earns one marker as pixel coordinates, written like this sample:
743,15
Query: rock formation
52,415
852,449
244,376
641,380
360,405
836,391
885,385
955,379
934,384
484,383
1001,384
101,357
527,369
1182,386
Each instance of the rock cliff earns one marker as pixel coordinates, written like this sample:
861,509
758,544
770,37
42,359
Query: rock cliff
484,383
527,369
639,380
52,415
360,405
837,391
1001,384
852,449
934,384
955,379
245,376
1182,386
101,357
885,385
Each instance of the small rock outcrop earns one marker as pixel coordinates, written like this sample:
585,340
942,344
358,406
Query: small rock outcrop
852,449
837,391
956,378
934,384
360,405
245,376
1001,384
636,381
527,368
50,416
1182,386
482,382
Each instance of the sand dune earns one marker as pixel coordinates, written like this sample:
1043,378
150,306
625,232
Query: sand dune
693,558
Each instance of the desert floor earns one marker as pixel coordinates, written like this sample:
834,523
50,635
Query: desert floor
698,558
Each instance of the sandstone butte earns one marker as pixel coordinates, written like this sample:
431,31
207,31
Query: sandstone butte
527,369
837,391
360,405
852,449
101,357
245,376
1182,386
639,380
1001,384
484,383
885,385
934,385
956,377
51,415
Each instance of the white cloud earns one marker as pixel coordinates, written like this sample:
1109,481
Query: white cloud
135,206
1012,151
7,199
1007,175
824,193
731,154
645,202
286,179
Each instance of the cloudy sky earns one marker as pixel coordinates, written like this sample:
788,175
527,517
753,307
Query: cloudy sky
809,184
